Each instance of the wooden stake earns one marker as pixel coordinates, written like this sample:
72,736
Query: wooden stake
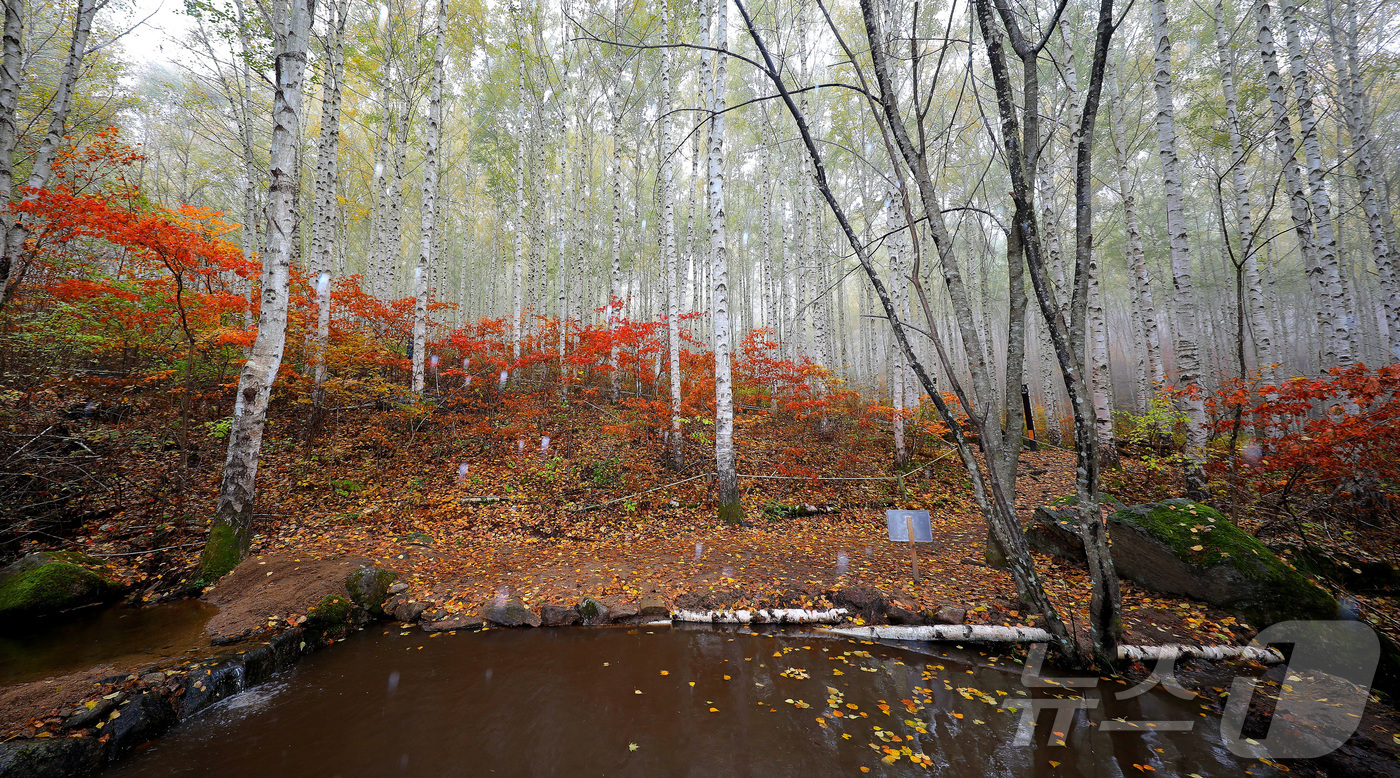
913,551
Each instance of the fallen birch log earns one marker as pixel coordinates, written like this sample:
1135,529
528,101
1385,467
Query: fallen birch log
1266,656
763,616
973,633
981,633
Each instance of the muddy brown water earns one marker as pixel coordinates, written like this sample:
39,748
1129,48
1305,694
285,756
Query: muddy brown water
655,701
119,635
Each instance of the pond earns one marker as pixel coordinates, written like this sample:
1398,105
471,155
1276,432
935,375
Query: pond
656,700
120,635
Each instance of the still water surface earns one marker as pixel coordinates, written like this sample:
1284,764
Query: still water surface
661,701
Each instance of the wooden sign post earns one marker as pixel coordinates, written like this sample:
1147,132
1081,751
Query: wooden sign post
913,552
910,527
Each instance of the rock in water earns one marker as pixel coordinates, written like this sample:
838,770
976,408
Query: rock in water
511,613
51,757
44,583
559,616
593,611
1183,547
866,601
369,588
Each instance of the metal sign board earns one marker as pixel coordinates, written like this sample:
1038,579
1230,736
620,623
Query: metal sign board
899,523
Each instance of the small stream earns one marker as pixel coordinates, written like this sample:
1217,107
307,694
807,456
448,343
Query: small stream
662,701
119,634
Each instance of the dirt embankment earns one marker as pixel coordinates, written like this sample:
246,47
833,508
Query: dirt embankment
267,589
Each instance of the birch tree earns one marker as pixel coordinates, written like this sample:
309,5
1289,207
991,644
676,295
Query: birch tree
668,247
1186,347
323,237
231,532
429,224
1374,202
1325,283
730,510
14,261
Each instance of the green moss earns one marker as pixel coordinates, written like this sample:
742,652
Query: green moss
1203,538
590,608
369,588
222,552
1200,535
51,587
731,512
331,617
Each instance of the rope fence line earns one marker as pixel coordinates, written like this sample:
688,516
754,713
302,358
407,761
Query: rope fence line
895,477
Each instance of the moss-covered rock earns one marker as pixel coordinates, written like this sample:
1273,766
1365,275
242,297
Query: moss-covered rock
332,618
1182,547
369,588
593,611
45,583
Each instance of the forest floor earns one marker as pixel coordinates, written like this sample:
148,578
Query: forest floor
464,504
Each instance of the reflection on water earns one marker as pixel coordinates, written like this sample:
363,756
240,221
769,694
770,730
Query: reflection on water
659,701
119,635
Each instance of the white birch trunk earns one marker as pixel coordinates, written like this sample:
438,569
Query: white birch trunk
1374,204
730,510
232,530
1335,302
11,66
1244,219
14,261
668,250
325,207
1333,341
1188,362
428,224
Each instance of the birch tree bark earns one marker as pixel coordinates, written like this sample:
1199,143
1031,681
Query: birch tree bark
232,529
668,249
1244,218
325,206
727,497
14,262
517,319
1327,289
428,242
1144,302
11,73
1186,347
1336,301
1374,204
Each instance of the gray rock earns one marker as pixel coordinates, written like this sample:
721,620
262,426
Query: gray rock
1054,530
452,622
407,610
559,616
593,611
947,614
898,614
511,613
63,757
85,717
369,588
138,720
153,679
398,587
653,609
44,583
624,613
865,601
